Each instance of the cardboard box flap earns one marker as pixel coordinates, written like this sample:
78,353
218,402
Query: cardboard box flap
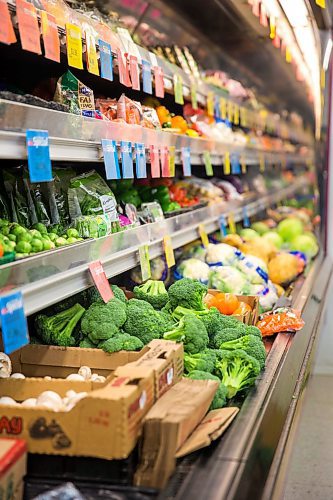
212,427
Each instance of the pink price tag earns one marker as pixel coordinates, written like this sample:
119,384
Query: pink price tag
124,77
159,81
99,277
165,161
154,162
134,71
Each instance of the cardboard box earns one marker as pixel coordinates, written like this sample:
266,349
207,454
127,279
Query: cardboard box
165,359
249,318
13,465
167,426
105,424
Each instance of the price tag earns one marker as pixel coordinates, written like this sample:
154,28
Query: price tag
168,250
223,108
7,33
321,3
194,96
208,163
246,219
99,277
38,150
13,322
178,89
235,165
124,77
111,160
210,104
226,163
134,71
74,46
28,26
236,115
186,161
243,117
50,36
165,161
230,111
91,54
231,222
217,111
172,161
223,226
105,54
140,161
261,163
203,235
159,81
154,162
127,159
243,165
146,77
144,262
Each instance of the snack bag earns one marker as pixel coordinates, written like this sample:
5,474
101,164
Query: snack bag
108,108
77,96
129,110
283,319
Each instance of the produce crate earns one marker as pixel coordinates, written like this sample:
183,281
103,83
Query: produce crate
249,318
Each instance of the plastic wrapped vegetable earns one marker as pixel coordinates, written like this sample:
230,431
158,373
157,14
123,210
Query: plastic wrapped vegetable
268,297
194,269
283,269
282,319
227,279
221,253
254,268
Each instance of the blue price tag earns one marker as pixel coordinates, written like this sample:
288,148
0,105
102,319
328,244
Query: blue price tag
186,160
106,60
13,322
38,150
235,165
246,219
217,108
111,160
127,159
223,226
146,77
140,161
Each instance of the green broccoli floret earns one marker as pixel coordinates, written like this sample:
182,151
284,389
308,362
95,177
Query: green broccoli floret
204,361
60,329
153,292
237,371
220,397
216,322
187,293
168,321
192,332
121,342
252,330
143,321
119,293
101,321
87,344
252,345
92,295
225,335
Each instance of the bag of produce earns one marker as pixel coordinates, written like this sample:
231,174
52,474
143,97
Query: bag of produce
228,279
254,268
194,269
282,319
221,254
77,96
18,202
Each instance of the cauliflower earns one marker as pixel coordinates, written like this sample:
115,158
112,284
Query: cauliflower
254,269
268,297
194,269
227,279
221,253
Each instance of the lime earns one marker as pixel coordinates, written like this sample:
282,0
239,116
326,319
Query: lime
53,236
59,242
40,227
35,233
72,233
17,230
24,237
36,245
23,247
47,244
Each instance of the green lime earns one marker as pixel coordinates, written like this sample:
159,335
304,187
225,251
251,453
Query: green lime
23,247
36,245
17,230
72,233
53,236
59,242
40,227
24,237
47,244
35,233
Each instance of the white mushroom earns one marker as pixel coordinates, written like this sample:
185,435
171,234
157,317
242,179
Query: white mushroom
5,365
94,376
29,403
47,377
75,399
70,393
6,400
99,378
75,377
50,399
85,372
17,375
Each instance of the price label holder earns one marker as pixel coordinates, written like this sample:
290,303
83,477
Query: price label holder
74,46
231,222
99,278
194,95
226,163
172,161
111,160
210,104
154,162
203,235
144,262
321,3
28,26
124,77
243,165
168,251
7,33
223,226
159,81
147,85
165,161
91,54
223,108
261,163
50,36
235,165
217,111
127,159
134,71
13,322
230,111
38,151
178,89
140,161
246,219
208,163
186,161
236,115
106,60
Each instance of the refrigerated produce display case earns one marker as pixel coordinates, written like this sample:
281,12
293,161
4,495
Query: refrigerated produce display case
174,142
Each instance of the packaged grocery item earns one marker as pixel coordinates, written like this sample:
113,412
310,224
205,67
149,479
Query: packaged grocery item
108,108
129,110
282,319
13,467
150,118
75,94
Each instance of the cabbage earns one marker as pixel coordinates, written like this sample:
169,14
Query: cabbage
260,227
194,269
274,238
288,229
248,234
221,253
254,268
305,244
227,279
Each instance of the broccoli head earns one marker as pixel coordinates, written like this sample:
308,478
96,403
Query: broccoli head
143,321
237,371
187,293
204,361
92,295
220,397
119,293
192,332
225,335
121,342
87,344
101,321
252,345
60,329
216,322
252,330
153,292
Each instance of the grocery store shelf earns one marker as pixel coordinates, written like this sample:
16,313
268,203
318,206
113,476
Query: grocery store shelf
49,277
75,138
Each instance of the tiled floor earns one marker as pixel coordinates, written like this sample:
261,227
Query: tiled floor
310,474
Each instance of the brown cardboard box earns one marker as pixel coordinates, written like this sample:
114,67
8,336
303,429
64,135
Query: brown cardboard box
249,318
105,424
13,462
167,426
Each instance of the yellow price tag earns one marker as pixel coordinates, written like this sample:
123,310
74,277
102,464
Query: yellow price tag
92,62
144,262
172,161
178,89
223,108
236,115
322,78
321,3
272,28
243,116
288,55
262,163
226,163
243,165
210,104
232,225
168,250
74,46
230,111
203,235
